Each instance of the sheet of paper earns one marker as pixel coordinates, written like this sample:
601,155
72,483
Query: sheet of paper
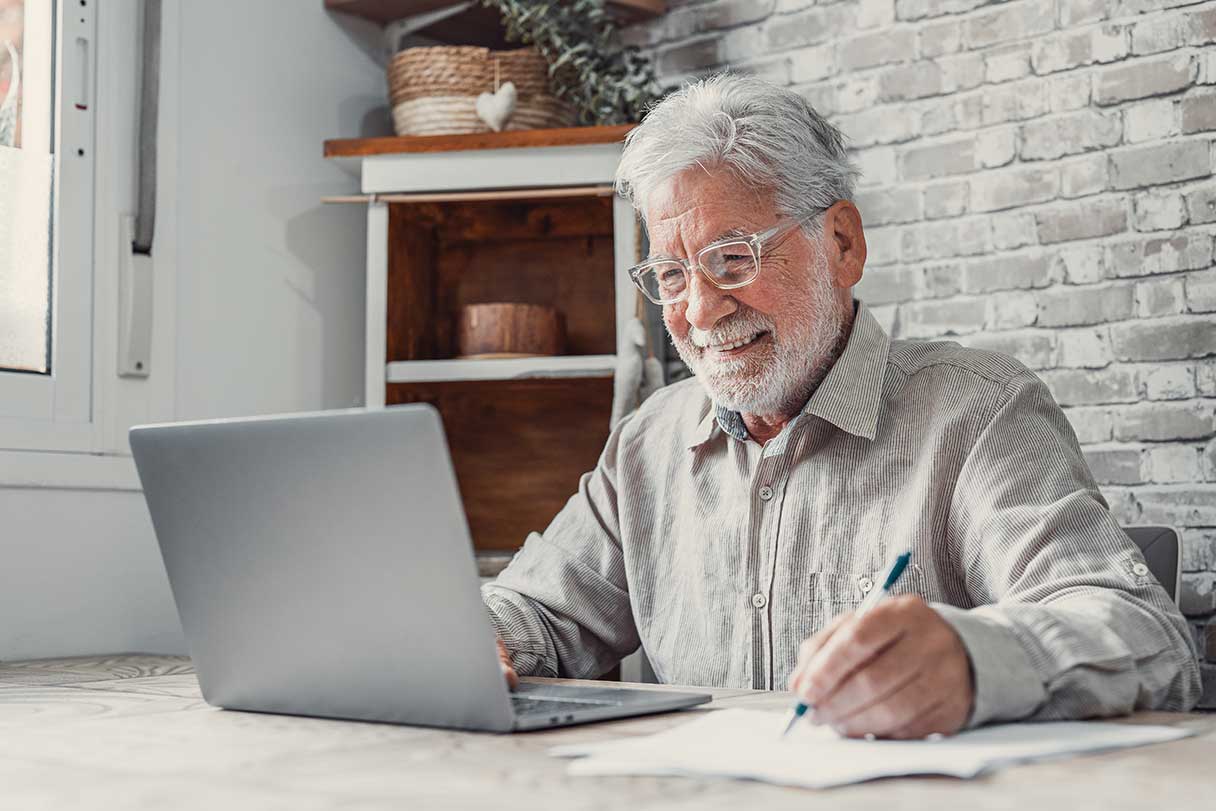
748,744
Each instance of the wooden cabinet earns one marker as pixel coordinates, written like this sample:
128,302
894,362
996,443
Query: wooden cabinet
525,217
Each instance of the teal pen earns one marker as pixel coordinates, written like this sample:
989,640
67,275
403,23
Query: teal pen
893,572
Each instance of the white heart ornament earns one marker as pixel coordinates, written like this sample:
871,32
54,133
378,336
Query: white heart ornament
496,108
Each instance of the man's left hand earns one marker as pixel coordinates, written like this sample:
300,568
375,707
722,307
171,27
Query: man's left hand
899,671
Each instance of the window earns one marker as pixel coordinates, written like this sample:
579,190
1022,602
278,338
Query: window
47,89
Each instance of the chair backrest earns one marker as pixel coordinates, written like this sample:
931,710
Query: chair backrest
1162,553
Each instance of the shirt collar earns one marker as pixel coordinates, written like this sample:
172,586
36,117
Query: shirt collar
849,396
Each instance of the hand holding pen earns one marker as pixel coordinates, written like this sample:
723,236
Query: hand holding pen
893,668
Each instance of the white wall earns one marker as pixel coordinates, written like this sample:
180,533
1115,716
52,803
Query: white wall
267,311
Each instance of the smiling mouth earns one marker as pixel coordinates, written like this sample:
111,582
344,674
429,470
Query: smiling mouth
736,347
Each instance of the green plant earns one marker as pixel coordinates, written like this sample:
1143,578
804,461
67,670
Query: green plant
607,82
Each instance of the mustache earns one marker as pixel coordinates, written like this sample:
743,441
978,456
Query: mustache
742,324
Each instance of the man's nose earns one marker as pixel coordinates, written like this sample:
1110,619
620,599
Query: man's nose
706,305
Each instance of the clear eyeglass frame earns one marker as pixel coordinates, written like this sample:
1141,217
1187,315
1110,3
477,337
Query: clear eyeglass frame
720,268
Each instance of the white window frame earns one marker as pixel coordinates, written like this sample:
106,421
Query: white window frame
78,440
54,411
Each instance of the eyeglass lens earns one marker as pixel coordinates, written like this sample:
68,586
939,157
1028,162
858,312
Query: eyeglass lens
727,265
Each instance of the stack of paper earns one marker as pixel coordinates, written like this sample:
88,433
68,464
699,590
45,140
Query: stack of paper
748,744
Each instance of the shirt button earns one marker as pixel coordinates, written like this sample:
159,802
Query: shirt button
766,492
865,584
758,600
1140,569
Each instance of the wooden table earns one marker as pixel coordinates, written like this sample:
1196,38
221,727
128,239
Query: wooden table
132,732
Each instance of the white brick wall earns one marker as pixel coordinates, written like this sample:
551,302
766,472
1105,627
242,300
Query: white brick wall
1039,181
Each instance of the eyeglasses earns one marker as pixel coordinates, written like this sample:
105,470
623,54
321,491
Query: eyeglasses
727,264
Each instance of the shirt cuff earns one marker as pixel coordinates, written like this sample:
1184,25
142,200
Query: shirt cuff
510,626
1007,687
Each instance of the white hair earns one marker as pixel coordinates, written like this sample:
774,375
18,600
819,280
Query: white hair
767,135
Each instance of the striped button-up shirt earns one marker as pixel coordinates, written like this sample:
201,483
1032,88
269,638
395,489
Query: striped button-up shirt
719,556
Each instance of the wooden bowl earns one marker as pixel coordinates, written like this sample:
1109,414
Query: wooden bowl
503,329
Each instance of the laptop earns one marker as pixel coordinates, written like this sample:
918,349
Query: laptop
321,565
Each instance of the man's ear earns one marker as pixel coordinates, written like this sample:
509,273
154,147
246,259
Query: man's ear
845,243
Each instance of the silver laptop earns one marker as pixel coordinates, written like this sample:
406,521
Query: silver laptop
321,565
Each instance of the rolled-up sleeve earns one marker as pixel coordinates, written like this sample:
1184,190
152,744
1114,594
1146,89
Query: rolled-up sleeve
1068,624
562,605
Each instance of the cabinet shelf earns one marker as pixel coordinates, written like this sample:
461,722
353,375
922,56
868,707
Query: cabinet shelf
435,371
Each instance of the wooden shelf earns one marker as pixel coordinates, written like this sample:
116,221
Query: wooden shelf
476,25
515,139
434,371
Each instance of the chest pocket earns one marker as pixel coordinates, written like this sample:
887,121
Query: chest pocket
845,590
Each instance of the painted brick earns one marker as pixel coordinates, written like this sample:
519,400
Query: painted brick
810,27
946,158
943,238
931,319
879,126
1007,272
1209,461
1013,230
1168,381
1158,211
878,48
1199,111
919,9
1069,134
1164,422
1201,292
1171,464
889,205
1150,120
1114,465
1066,50
1006,63
890,285
1091,425
1198,555
1205,379
1014,21
935,39
1012,101
1166,33
996,147
1164,339
686,22
1144,257
1012,310
1201,204
943,279
1157,164
1073,387
875,13
1081,306
1088,174
812,64
1158,297
776,70
882,245
1034,347
1072,91
742,43
914,81
1144,78
962,71
688,56
877,166
937,115
1084,348
1197,596
1206,67
1010,188
856,93
885,315
1075,12
1080,264
947,199
1099,218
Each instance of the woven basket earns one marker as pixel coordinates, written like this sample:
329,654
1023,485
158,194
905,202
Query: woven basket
434,90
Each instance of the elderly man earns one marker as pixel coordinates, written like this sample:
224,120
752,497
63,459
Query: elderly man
735,520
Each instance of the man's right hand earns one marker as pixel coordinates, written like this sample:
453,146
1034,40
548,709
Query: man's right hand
508,669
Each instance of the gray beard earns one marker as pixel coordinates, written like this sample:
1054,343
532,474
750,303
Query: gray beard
776,378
